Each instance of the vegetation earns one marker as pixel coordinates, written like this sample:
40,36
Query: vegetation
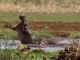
43,34
54,17
13,17
8,34
75,35
41,1
28,55
9,19
40,6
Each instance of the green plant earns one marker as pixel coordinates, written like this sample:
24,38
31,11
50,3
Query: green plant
43,34
17,55
8,34
75,35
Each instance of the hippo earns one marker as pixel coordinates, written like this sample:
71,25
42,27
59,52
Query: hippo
23,31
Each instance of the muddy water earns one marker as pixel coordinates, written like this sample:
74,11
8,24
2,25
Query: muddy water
13,44
46,49
50,49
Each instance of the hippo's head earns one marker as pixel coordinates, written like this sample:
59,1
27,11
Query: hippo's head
21,24
22,18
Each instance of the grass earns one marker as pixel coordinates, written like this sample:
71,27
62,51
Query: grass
18,55
40,1
10,17
75,35
40,6
8,34
43,34
54,17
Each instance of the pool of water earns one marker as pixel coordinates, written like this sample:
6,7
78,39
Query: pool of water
50,49
14,45
46,49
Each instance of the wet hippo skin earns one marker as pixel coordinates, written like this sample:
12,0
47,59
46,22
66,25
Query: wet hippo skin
23,31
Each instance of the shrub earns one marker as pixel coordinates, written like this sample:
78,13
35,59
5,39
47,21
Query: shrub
8,34
43,34
76,35
7,25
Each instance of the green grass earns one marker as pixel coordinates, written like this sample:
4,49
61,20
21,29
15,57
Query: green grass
75,35
18,55
8,34
54,17
10,17
43,34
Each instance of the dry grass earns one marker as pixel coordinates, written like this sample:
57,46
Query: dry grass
42,8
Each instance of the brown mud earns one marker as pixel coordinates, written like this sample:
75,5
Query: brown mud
62,26
57,28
